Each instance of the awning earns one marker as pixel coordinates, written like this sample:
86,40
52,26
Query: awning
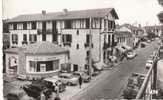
120,49
126,47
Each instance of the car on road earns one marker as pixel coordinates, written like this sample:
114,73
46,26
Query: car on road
68,78
55,82
131,55
149,63
85,77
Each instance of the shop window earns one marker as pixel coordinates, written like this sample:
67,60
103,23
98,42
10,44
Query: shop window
87,23
24,37
55,37
77,32
75,67
32,38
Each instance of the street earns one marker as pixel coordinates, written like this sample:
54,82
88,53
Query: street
112,85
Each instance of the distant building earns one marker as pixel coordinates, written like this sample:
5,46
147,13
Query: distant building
70,29
156,29
160,15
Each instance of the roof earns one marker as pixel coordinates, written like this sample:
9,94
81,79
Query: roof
160,27
69,15
40,48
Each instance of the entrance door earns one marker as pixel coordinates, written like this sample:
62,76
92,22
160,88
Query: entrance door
12,66
75,67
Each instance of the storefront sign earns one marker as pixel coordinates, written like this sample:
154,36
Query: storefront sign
44,58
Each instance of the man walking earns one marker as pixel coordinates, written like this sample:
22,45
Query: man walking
80,81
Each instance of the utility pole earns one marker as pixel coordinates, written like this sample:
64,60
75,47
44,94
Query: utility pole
90,47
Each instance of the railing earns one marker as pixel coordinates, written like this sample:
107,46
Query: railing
148,88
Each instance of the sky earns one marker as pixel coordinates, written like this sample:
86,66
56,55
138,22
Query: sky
129,11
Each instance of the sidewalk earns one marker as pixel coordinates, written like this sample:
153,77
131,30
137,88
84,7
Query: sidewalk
72,91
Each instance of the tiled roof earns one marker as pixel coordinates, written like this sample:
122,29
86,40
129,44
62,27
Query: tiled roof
40,48
69,15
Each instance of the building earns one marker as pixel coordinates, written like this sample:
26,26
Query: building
74,30
160,15
41,59
157,29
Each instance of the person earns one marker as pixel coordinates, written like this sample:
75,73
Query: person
80,81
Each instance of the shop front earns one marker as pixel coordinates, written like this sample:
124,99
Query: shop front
40,60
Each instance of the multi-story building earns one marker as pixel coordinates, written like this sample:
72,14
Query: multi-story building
160,15
157,29
71,29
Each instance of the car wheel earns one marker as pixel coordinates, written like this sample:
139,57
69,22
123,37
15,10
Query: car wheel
69,83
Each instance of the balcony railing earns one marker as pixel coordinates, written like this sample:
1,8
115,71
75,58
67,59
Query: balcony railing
24,42
47,31
148,88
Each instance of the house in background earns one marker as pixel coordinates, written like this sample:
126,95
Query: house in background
73,30
156,29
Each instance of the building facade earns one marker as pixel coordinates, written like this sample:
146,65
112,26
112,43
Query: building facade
73,30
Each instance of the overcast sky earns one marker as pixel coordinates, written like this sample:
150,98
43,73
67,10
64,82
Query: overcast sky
129,11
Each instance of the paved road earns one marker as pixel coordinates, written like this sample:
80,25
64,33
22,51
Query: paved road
112,85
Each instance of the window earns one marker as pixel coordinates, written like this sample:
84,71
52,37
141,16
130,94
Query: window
87,23
14,38
77,32
77,46
68,24
33,25
43,66
55,37
44,26
24,26
88,38
109,40
67,38
32,37
15,26
43,37
24,37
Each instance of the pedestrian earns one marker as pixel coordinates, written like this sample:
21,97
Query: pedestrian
80,81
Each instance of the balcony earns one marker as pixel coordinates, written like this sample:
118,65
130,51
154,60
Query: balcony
31,42
14,42
67,44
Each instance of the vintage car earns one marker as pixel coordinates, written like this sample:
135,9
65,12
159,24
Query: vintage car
149,63
131,54
56,82
68,78
135,81
85,77
36,87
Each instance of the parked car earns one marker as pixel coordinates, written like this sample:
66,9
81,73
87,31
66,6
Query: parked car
21,77
55,82
68,78
85,77
131,55
149,64
36,87
95,73
15,94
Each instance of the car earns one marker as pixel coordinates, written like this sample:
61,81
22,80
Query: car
148,41
68,78
21,77
149,64
85,77
56,82
36,87
131,55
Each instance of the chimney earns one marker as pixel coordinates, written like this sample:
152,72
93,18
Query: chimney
43,12
65,11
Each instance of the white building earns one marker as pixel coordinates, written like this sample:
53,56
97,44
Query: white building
70,29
